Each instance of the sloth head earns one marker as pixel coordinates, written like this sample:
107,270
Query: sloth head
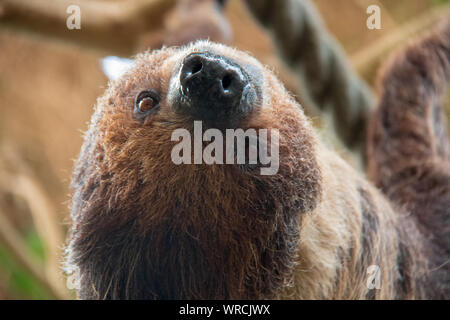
146,226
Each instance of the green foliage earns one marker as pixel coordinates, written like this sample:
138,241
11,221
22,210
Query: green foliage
439,2
20,284
35,244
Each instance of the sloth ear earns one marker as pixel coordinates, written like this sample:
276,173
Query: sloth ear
115,67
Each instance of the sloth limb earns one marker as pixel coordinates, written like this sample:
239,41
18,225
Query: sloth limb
408,145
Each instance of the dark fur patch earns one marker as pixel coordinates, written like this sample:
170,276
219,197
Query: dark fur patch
369,229
408,150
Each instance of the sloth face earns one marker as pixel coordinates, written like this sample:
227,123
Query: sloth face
204,86
194,230
205,82
201,87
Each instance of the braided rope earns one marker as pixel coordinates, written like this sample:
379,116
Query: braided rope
320,63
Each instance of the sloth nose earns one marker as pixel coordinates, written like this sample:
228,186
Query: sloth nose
211,83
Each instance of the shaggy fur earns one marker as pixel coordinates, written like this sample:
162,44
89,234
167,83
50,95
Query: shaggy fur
409,150
145,228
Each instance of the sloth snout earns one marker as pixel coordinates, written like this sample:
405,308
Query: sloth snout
211,83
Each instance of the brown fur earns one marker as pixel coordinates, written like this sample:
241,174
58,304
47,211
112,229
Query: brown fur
409,150
156,246
144,227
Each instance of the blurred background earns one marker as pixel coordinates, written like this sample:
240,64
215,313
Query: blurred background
50,79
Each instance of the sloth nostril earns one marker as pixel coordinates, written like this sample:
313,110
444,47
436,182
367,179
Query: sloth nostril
197,67
226,81
210,85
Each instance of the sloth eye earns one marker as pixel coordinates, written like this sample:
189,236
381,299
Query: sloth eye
146,101
146,104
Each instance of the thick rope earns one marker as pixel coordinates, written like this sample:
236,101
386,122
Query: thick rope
317,59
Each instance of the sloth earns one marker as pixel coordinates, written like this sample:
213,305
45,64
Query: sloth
145,227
